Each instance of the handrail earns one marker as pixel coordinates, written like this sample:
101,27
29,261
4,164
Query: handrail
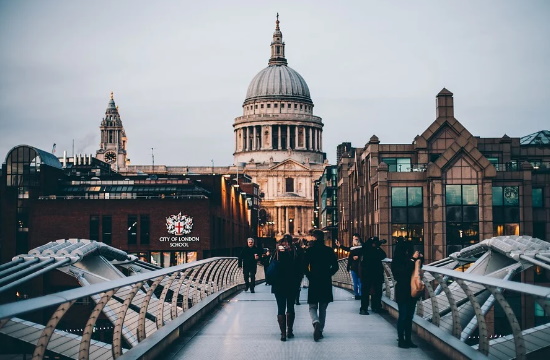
137,307
461,307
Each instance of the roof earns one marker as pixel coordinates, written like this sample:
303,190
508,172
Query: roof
278,82
539,138
44,157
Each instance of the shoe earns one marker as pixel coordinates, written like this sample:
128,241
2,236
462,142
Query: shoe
317,331
363,312
402,344
410,344
357,297
321,336
252,291
281,319
246,288
290,324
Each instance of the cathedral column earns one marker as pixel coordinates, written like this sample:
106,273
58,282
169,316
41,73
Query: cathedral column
320,140
296,142
286,220
279,138
288,136
254,140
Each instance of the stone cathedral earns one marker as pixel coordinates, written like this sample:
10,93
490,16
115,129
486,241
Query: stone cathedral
279,142
278,145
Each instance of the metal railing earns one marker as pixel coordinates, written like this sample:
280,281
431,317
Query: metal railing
125,313
477,316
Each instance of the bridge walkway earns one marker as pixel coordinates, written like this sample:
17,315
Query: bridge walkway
245,327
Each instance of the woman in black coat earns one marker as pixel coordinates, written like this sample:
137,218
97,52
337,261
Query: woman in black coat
402,266
285,284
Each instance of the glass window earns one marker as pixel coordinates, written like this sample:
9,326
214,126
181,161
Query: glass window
289,184
469,195
511,196
537,197
132,230
144,231
414,196
453,195
497,196
398,196
107,229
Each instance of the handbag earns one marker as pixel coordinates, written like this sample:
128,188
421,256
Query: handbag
417,286
272,272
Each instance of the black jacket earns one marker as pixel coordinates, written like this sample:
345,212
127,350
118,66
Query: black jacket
289,273
371,262
320,264
246,258
402,272
354,264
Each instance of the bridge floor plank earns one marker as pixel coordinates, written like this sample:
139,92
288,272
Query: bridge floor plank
245,327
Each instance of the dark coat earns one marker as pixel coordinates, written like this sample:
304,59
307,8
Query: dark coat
320,264
371,263
289,273
247,260
353,265
402,272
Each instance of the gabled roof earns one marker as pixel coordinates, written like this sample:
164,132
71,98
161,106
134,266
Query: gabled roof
289,164
539,138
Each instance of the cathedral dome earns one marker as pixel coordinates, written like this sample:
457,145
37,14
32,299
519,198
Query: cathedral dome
278,82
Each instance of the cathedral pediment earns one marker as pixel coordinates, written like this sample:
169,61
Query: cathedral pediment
289,165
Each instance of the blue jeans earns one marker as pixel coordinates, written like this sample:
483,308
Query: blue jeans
356,283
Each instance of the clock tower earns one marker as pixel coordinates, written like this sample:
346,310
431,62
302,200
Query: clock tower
112,146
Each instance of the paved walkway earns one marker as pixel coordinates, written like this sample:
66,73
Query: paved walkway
245,327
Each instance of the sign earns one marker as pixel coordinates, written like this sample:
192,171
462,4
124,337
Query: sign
178,225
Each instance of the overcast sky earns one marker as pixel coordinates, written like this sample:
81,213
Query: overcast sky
180,70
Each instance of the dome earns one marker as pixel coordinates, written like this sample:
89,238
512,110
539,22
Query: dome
278,82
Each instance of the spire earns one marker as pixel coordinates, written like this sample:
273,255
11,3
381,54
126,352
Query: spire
277,47
112,109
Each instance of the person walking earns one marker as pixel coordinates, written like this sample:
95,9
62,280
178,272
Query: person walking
353,267
402,266
300,251
248,261
320,264
372,276
285,284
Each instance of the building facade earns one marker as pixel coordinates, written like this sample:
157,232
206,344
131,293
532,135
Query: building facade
448,189
166,221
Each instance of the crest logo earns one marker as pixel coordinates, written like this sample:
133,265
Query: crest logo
179,224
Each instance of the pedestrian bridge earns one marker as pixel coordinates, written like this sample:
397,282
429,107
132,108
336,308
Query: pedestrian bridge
129,309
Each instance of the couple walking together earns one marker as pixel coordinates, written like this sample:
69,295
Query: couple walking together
318,263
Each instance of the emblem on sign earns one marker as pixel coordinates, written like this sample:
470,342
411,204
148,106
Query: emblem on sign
179,224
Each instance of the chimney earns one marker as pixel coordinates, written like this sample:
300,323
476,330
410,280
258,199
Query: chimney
444,104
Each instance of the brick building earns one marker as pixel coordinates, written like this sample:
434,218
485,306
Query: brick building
166,221
447,189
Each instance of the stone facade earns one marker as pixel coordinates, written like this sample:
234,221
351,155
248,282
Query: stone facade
446,190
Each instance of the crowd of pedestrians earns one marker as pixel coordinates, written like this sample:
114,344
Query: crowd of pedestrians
293,258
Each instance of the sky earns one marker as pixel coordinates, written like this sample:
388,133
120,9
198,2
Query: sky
180,70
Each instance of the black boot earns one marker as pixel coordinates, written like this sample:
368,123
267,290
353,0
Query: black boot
281,319
290,324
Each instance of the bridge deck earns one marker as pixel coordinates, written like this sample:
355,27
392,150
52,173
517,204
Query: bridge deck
245,327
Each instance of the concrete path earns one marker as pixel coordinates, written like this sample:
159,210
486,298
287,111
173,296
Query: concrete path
245,327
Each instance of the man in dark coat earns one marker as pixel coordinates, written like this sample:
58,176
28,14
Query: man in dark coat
372,276
248,260
320,264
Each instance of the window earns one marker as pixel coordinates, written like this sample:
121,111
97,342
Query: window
462,216
269,106
537,198
107,229
94,227
407,213
144,231
282,106
262,106
295,106
289,184
398,164
275,105
505,210
132,229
